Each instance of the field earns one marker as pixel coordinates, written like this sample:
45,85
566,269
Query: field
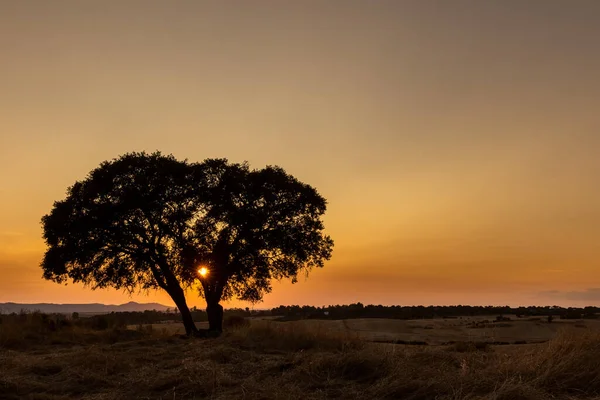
304,360
434,331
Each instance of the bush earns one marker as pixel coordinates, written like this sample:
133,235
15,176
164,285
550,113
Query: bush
99,323
234,322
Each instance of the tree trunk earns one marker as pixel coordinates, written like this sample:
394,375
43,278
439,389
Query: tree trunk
215,317
186,316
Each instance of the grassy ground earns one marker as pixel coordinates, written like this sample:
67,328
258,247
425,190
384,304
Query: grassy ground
271,360
434,331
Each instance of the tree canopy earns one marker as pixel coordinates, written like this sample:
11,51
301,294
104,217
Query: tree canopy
149,221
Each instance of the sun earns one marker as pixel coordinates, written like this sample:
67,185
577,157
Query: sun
203,271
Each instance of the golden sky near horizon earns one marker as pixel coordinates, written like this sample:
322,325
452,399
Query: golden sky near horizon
457,142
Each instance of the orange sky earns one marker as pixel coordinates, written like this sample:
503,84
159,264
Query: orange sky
456,141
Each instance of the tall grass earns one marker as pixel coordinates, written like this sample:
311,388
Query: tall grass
27,330
570,362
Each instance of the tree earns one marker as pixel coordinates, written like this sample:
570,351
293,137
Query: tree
148,221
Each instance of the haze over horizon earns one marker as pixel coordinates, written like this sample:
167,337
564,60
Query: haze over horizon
456,142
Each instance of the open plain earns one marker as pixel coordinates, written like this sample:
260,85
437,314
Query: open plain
310,359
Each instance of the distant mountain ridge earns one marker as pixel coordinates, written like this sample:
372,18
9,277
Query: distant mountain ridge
7,308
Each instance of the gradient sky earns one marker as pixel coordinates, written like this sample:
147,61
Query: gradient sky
457,142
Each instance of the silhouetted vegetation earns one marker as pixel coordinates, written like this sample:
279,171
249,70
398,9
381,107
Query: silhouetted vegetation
237,316
149,221
235,321
27,330
43,327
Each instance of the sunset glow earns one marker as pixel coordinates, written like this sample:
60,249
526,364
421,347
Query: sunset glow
456,142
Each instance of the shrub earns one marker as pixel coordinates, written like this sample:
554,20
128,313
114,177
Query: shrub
99,323
235,321
22,331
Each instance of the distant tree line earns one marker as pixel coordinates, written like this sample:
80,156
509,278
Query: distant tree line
116,319
358,310
120,319
295,312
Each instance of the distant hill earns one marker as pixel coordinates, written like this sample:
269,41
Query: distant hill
7,308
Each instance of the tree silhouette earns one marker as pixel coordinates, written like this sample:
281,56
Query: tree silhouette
149,221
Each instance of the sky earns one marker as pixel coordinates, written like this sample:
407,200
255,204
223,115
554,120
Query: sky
455,141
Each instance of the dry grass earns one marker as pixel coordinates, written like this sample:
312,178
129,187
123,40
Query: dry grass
275,336
271,360
36,330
